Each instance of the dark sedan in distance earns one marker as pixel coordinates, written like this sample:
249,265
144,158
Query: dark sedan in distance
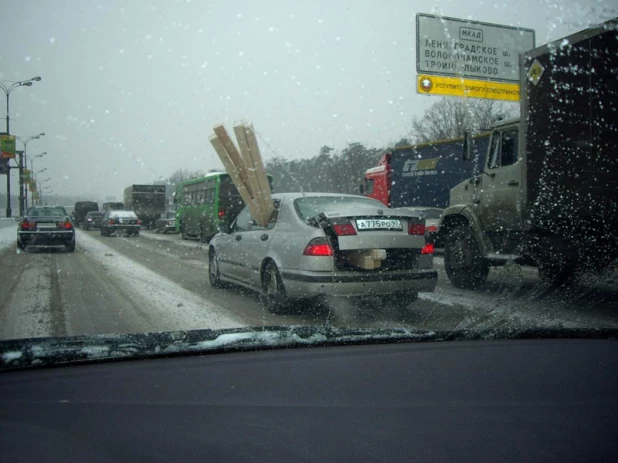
120,221
166,222
46,226
93,220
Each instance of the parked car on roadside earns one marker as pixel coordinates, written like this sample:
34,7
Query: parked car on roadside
120,221
325,244
166,222
46,226
93,220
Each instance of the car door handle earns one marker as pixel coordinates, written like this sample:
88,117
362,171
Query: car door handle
238,237
513,183
264,237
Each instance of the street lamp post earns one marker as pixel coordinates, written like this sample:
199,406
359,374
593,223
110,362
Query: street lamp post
34,174
25,143
8,87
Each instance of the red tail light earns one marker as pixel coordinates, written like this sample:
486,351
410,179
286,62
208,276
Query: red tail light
221,214
427,249
66,225
343,227
139,222
28,225
318,247
431,228
416,229
111,222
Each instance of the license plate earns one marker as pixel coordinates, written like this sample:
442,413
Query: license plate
379,224
46,225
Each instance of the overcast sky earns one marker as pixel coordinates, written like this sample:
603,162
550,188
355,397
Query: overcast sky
130,90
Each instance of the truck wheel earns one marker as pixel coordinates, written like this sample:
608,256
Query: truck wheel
183,233
463,262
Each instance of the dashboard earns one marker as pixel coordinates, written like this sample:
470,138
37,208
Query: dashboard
512,400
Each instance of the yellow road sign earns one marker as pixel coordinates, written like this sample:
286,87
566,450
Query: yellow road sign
472,88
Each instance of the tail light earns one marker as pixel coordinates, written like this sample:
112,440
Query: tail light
221,214
319,247
427,249
111,222
67,225
416,228
28,225
139,222
343,227
431,229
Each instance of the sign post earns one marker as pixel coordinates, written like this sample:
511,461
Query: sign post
465,58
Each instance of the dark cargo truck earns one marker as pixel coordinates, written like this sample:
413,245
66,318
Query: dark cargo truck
548,194
81,209
147,201
422,175
112,206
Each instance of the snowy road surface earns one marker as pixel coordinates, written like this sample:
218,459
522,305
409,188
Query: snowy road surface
159,283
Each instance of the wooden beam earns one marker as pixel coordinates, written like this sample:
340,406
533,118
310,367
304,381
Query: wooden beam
262,198
234,156
232,171
263,184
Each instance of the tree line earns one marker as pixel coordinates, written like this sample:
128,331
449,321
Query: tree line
341,171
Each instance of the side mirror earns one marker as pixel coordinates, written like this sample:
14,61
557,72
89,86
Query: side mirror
224,227
467,147
361,188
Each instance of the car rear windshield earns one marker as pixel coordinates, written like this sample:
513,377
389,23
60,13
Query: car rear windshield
311,206
95,214
129,214
47,212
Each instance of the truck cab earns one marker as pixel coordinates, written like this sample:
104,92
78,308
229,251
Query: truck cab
548,193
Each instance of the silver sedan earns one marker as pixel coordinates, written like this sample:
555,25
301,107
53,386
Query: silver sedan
320,244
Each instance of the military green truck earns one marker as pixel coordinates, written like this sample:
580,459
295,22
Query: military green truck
548,194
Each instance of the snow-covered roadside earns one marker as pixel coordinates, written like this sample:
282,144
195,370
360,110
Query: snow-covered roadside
173,238
8,232
172,306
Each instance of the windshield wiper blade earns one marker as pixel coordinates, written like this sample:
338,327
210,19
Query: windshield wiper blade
44,352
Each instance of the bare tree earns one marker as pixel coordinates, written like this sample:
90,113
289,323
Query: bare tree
451,117
184,174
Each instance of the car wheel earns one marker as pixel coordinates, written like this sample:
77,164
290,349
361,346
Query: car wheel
214,276
273,291
21,246
157,230
183,233
70,247
464,265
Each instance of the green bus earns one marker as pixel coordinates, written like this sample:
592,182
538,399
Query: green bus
202,203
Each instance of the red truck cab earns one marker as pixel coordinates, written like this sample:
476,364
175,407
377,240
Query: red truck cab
377,181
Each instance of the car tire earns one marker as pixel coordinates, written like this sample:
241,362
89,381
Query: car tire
214,275
274,296
157,230
70,247
183,233
464,265
21,246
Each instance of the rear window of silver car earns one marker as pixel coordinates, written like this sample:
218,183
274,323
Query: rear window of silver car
311,206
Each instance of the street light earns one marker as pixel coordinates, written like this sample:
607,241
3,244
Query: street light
35,157
41,186
9,88
25,141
